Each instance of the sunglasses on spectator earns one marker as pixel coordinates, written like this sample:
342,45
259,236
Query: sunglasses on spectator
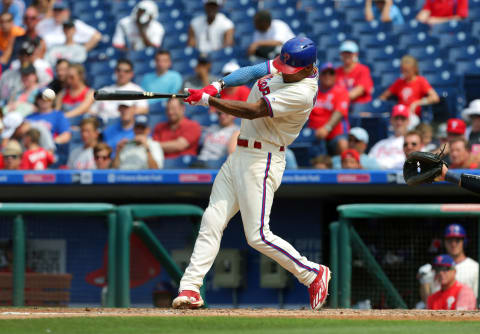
26,17
124,70
410,144
13,156
102,157
353,139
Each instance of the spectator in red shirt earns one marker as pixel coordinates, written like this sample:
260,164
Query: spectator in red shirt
453,294
412,90
35,157
441,11
12,153
329,117
179,135
351,159
355,77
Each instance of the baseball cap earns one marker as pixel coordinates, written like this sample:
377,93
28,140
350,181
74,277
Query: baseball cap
359,133
352,153
141,120
349,46
443,260
326,66
12,148
60,5
27,48
456,126
229,67
29,69
217,2
297,53
473,109
400,110
11,122
455,231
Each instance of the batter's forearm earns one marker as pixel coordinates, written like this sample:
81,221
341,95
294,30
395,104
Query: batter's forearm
240,108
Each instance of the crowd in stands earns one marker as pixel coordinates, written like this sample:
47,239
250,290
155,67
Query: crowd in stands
378,97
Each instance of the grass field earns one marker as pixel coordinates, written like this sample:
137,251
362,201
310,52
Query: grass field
230,325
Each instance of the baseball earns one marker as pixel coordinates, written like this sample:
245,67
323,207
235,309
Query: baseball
48,94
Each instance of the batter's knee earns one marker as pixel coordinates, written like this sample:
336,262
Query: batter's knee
212,220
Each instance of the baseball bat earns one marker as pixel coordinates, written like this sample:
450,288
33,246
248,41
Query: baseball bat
118,95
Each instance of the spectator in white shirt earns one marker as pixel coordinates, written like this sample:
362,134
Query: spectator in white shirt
388,152
71,51
212,31
30,52
140,29
51,29
107,110
269,35
82,157
140,153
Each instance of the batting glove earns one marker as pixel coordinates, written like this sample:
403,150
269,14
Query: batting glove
213,89
197,97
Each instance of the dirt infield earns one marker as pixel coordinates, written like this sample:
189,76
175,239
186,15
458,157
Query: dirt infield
29,313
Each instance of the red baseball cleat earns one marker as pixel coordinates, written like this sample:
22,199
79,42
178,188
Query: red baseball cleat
188,299
319,288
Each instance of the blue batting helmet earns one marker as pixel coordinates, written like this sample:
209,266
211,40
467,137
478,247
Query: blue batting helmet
297,53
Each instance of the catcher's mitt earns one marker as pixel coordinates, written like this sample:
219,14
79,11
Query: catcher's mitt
422,167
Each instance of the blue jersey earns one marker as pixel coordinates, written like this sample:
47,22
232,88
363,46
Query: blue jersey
115,132
55,121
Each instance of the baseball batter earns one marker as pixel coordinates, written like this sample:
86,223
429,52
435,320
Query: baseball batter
278,106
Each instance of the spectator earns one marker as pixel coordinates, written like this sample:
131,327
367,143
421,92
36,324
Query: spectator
123,127
51,29
351,159
426,133
358,140
219,141
44,8
411,142
12,154
472,115
30,20
29,52
15,127
237,93
179,135
212,31
54,120
269,35
435,12
35,157
322,162
76,99
107,110
460,155
388,152
411,90
8,31
15,8
59,82
70,50
453,295
24,101
82,157
329,117
202,76
140,153
384,11
140,29
355,77
163,79
455,129
103,156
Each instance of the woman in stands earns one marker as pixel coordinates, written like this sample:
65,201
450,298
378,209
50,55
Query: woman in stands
411,90
76,99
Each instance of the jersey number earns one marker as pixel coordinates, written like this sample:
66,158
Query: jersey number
263,87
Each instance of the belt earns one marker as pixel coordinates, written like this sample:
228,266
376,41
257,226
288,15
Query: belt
257,144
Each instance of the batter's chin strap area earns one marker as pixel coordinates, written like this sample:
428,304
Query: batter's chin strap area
470,182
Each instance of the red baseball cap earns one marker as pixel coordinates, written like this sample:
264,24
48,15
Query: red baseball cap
456,126
400,110
352,153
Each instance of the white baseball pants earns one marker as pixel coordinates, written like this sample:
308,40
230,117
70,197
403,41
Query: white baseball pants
247,182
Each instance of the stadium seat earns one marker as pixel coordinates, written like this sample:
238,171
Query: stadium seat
416,39
183,53
329,27
226,54
471,66
175,26
389,78
412,26
386,52
309,5
181,162
300,27
376,124
103,80
371,27
323,14
376,106
463,53
204,118
332,40
434,65
141,55
302,147
245,15
94,68
451,102
408,13
451,27
351,5
381,67
442,79
286,14
457,39
354,15
278,4
184,67
236,5
426,52
117,6
169,5
155,119
376,40
244,28
474,13
141,68
170,15
158,107
173,41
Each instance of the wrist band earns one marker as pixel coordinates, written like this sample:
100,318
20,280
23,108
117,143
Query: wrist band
452,177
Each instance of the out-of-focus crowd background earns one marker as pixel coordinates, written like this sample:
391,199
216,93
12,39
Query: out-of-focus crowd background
396,76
